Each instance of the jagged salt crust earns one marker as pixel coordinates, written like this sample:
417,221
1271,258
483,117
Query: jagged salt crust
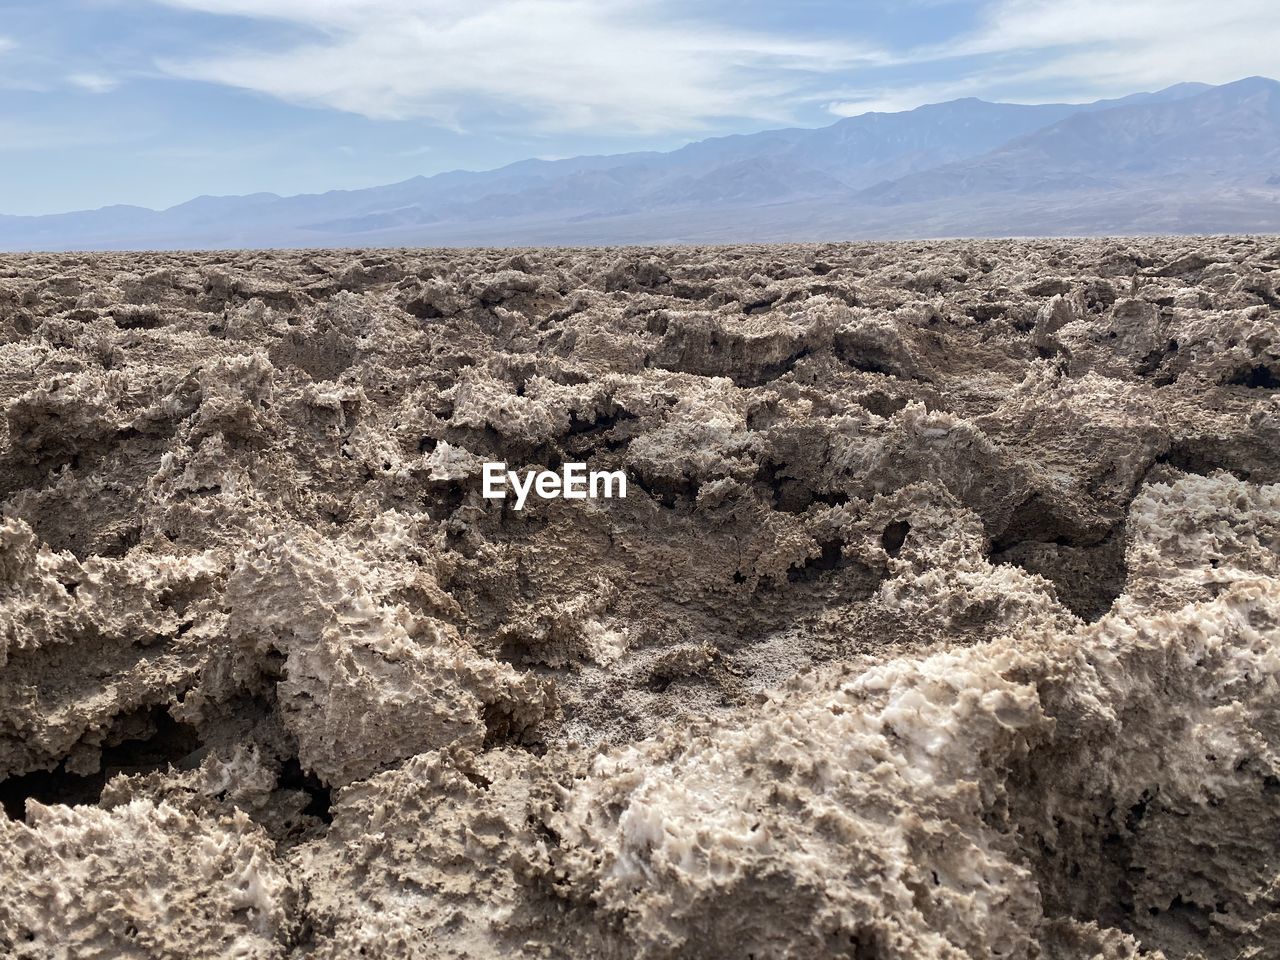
940,621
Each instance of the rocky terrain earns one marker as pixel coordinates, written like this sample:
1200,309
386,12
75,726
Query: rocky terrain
942,618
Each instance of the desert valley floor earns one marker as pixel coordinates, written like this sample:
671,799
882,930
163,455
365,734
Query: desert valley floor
941,619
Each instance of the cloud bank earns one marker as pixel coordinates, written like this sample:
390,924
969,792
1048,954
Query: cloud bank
1079,50
619,66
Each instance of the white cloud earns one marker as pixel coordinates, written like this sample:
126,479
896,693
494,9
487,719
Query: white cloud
19,135
1108,47
615,66
892,99
93,82
1079,50
6,44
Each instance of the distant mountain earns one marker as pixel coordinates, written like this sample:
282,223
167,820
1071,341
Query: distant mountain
1191,158
1228,135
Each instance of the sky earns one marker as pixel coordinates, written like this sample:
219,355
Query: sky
153,102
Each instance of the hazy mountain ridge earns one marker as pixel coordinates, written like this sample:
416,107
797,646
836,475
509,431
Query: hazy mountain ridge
1190,158
1228,134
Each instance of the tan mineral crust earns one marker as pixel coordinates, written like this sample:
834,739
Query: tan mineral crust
941,619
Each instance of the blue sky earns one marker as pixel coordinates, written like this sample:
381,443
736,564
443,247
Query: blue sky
153,102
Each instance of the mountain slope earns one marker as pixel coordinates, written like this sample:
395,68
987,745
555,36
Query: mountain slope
1224,135
1202,158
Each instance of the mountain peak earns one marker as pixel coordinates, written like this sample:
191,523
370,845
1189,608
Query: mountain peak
1185,158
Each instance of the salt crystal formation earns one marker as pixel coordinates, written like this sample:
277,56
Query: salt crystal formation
941,619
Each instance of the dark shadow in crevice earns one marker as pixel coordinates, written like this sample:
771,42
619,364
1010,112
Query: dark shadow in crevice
168,743
1086,579
882,404
791,494
670,493
831,558
894,536
443,498
770,372
1035,520
320,802
1190,457
1258,377
135,317
1155,359
596,434
504,724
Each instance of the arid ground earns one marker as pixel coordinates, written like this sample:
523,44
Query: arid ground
941,619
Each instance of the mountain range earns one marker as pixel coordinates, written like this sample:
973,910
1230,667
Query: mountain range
1192,158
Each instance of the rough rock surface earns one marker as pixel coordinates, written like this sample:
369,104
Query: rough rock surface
942,619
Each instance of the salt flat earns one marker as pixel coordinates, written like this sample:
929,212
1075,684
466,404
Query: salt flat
939,619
